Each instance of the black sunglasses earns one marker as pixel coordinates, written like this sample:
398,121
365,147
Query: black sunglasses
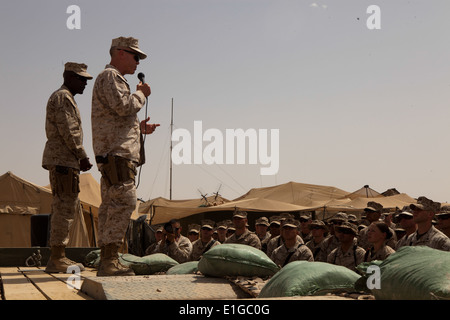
135,55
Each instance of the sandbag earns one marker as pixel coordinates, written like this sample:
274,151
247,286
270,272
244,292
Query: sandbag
414,273
190,267
147,265
303,278
236,260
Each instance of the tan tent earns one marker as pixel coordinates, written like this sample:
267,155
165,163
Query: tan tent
358,204
19,200
302,194
288,197
161,210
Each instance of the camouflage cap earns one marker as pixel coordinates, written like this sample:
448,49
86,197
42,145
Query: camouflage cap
78,68
445,211
290,223
130,43
348,226
340,216
374,207
275,220
425,204
263,221
305,216
194,228
225,224
240,214
208,224
318,223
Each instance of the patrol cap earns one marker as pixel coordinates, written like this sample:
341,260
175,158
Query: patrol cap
225,224
275,220
352,218
445,211
305,217
290,223
240,214
348,226
373,206
130,43
340,216
78,68
194,228
425,204
318,224
208,224
263,221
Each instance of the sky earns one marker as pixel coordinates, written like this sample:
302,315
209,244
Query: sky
353,106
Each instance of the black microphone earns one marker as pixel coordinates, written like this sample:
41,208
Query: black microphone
141,77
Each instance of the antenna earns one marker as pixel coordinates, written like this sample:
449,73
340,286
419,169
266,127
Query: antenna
171,132
217,192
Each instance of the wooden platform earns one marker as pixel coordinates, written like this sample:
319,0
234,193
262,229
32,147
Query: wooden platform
24,283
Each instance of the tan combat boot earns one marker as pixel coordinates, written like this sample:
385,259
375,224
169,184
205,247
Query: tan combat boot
58,261
109,263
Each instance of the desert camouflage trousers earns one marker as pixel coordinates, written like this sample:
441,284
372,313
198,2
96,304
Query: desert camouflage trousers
65,188
118,203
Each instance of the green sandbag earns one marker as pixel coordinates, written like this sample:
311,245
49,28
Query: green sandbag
92,259
151,264
414,273
236,260
303,278
190,267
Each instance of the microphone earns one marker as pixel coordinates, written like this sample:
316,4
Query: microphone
141,77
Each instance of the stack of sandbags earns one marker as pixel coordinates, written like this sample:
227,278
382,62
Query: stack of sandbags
236,260
412,273
303,278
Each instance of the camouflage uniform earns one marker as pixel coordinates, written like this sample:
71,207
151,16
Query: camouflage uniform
116,133
365,244
299,252
349,259
199,248
384,252
248,238
315,247
180,250
326,246
62,154
433,238
277,241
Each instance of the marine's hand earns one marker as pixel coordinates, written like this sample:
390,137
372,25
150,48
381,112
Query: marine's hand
145,88
85,164
148,128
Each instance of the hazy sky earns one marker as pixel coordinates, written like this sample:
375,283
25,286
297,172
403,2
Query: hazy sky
353,106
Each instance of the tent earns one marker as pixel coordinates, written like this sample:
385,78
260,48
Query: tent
161,210
20,199
288,197
306,195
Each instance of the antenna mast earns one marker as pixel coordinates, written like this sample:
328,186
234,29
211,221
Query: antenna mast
171,132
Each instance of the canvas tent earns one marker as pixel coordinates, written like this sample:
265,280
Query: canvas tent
288,197
20,199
